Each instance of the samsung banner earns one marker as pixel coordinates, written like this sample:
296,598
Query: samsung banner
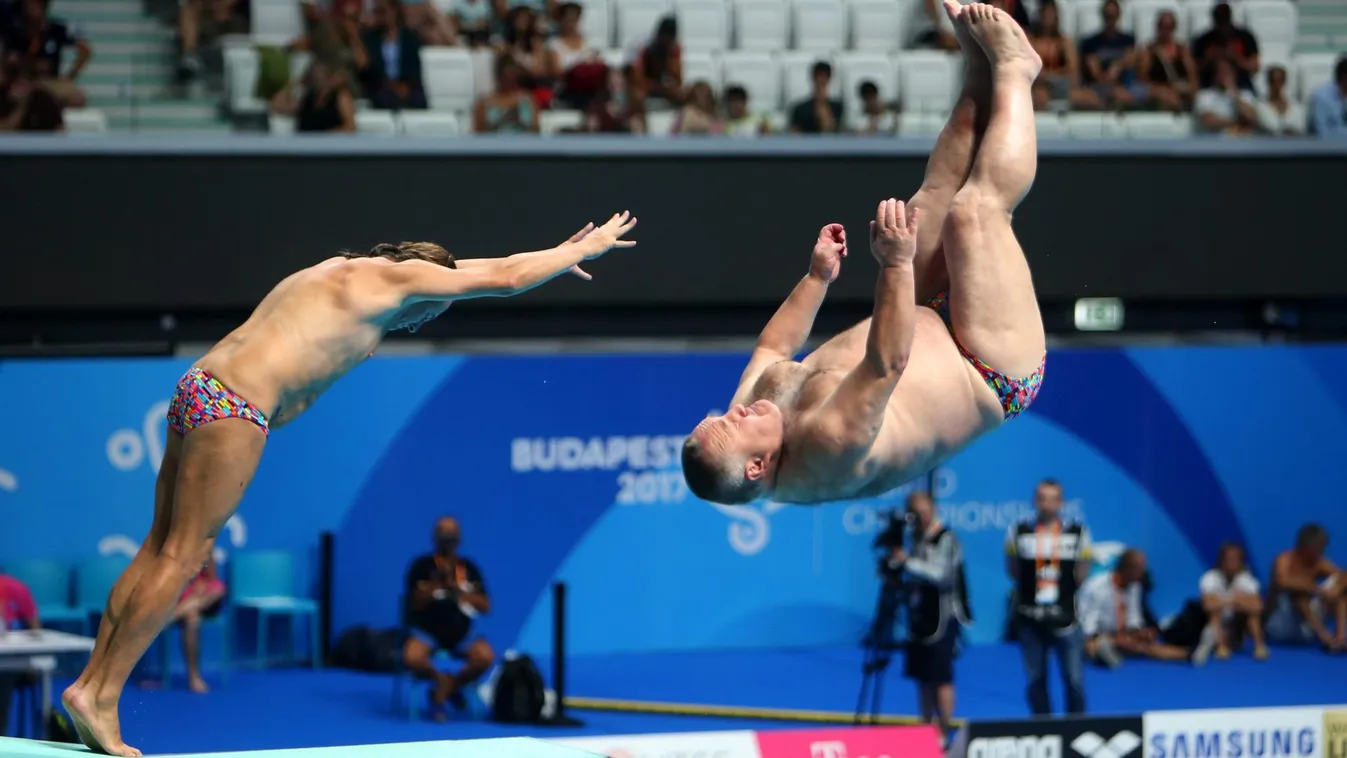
567,468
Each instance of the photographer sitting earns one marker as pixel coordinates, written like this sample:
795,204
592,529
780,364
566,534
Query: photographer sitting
445,592
1113,617
938,605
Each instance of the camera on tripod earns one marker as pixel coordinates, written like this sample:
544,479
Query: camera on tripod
885,635
898,525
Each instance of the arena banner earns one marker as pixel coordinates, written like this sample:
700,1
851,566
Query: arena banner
1068,737
714,229
566,468
1229,733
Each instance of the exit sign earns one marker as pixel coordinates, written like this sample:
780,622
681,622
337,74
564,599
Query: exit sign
1099,314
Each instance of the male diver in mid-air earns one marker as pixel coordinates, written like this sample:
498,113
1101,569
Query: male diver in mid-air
907,388
313,328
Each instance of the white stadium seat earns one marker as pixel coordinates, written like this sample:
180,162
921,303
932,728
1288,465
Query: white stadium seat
430,124
280,125
376,123
1199,17
1316,69
276,22
1156,125
761,25
616,58
819,25
703,24
660,123
1094,126
703,67
596,22
876,25
85,121
448,77
797,81
1274,23
759,75
1089,18
855,68
1050,126
919,124
928,81
551,122
637,19
483,70
240,78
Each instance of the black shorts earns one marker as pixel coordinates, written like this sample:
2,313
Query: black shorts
933,662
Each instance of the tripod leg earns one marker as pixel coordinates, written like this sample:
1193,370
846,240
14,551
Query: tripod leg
877,695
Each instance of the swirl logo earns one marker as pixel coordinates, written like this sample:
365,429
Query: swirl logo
128,449
749,531
8,482
236,530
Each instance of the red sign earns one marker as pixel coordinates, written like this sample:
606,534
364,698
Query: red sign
861,742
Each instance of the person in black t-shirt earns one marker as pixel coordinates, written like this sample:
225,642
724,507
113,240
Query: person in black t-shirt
1229,42
444,593
40,41
1108,63
820,114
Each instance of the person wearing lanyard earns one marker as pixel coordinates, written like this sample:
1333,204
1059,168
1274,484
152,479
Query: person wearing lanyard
17,611
1047,559
1114,619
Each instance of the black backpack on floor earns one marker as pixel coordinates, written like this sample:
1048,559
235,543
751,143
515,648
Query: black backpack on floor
520,692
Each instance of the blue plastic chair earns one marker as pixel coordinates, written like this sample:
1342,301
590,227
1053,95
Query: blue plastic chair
49,581
264,581
93,584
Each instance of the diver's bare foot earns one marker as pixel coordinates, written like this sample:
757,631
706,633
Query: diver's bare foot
198,685
976,65
1001,39
98,728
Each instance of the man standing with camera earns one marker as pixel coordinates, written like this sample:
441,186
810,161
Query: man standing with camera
1048,559
445,592
933,574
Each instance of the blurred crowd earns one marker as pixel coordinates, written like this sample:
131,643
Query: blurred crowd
34,86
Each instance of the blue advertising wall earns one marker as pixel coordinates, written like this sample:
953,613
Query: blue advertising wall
566,468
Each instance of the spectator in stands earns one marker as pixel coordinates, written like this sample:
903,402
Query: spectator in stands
1231,599
1109,63
1307,594
931,27
444,593
334,39
1047,559
739,121
1059,80
511,107
1167,67
473,20
392,75
324,103
874,117
203,599
434,26
658,67
544,10
618,107
523,41
1114,621
41,41
1225,41
17,611
1224,108
699,113
24,105
579,65
821,113
1328,105
1279,114
200,23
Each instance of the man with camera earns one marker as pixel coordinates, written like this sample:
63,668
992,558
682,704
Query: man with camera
933,575
445,592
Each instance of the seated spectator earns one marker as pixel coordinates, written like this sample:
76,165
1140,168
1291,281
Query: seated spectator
200,23
203,599
618,107
1167,67
473,20
1307,594
1108,63
392,75
444,593
1059,81
1224,108
17,611
324,102
543,9
511,107
1114,621
1328,105
1231,599
820,114
1228,42
523,41
875,117
579,65
40,41
334,38
739,122
931,27
658,67
699,114
24,105
1278,113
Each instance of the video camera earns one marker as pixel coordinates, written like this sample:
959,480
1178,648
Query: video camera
898,525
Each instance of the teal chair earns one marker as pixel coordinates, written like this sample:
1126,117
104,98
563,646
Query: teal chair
49,581
93,584
264,582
